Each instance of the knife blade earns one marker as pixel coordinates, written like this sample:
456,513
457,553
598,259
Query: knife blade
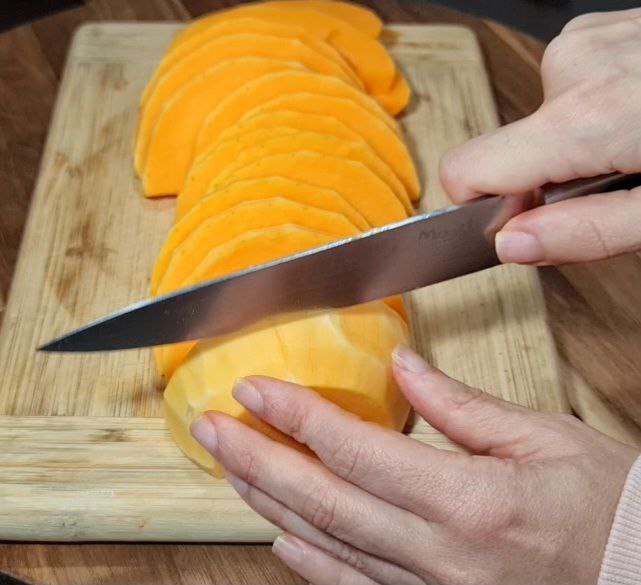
397,258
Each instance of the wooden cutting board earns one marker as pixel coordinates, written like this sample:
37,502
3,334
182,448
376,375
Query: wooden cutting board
84,452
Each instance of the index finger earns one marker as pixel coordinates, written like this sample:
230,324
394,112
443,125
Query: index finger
426,480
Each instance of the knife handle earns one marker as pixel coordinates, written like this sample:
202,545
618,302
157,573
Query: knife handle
555,192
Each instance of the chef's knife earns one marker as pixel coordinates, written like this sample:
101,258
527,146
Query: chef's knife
394,259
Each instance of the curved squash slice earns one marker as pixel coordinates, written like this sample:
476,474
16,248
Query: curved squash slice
217,51
246,25
395,100
251,190
352,179
257,144
359,17
327,351
250,215
171,145
274,85
251,248
367,57
387,144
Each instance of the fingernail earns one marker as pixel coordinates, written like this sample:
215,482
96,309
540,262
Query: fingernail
204,431
409,360
245,393
240,485
287,549
518,248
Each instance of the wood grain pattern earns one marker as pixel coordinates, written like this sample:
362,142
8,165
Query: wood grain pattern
88,248
28,95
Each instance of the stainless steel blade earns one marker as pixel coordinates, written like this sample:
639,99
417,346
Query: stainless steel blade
394,259
397,258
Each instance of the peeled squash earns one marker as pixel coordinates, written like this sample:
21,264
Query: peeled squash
244,149
215,52
271,121
251,190
249,249
383,140
352,179
246,25
344,355
250,215
169,150
367,57
274,85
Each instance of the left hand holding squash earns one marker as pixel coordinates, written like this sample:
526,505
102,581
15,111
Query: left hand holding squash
532,500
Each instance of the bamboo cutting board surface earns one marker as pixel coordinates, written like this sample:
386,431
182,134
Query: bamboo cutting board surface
83,447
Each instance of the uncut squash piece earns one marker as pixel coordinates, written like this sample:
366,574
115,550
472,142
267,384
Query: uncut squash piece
344,355
244,149
387,144
352,179
246,25
171,145
215,52
251,190
250,215
395,100
367,57
251,248
274,85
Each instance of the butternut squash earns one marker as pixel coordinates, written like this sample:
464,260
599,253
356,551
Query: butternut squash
386,143
217,51
395,100
249,249
244,149
343,355
170,148
274,85
246,25
367,57
251,190
250,215
352,179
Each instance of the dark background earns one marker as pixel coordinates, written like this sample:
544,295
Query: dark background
541,18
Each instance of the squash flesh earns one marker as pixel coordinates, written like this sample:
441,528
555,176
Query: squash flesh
367,57
245,25
250,215
387,144
169,150
215,52
395,100
246,148
274,85
251,190
249,249
327,351
352,179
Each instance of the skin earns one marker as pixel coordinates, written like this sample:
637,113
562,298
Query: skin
533,496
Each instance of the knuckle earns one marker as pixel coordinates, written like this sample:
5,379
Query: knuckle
351,556
348,458
252,468
320,506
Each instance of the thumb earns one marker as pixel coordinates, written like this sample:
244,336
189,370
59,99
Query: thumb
470,417
577,230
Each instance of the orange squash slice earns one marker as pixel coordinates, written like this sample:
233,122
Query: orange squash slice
386,143
251,190
244,149
219,50
170,148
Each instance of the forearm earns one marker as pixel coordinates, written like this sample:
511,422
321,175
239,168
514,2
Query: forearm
622,559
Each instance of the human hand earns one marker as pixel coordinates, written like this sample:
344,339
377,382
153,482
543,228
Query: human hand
589,124
532,501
